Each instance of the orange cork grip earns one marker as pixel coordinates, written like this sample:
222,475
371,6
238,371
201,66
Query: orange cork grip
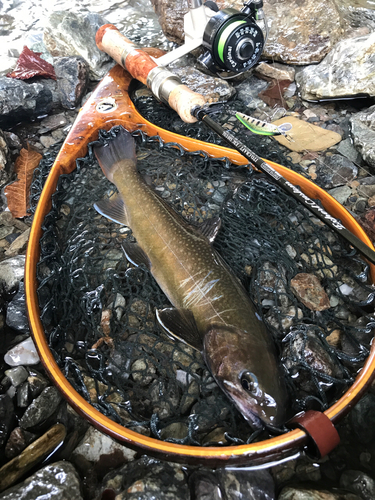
124,52
139,64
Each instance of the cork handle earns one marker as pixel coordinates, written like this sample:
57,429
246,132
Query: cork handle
138,63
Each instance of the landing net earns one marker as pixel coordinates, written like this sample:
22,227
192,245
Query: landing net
98,310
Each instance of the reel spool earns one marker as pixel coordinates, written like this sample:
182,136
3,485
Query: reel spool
233,39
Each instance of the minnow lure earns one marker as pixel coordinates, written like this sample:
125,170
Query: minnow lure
263,128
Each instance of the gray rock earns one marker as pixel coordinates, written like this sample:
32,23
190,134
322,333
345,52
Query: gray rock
68,34
17,375
248,92
359,483
6,166
11,273
301,33
362,419
347,149
6,417
346,71
20,100
148,479
356,16
41,408
248,484
37,382
59,481
363,131
341,194
213,89
16,313
336,170
300,493
72,80
17,442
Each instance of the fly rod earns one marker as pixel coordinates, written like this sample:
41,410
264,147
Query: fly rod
191,107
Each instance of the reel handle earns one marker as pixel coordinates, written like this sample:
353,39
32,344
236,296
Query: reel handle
166,86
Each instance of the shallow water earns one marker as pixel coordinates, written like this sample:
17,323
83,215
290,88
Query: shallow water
20,20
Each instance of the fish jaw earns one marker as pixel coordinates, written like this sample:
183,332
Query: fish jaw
230,354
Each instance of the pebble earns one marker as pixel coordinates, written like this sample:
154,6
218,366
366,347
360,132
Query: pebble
341,194
309,291
17,442
24,353
16,313
41,408
6,417
301,493
11,273
17,375
359,483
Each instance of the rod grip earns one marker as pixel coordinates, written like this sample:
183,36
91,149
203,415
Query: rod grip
139,64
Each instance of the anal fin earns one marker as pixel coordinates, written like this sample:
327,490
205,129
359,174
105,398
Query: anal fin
179,324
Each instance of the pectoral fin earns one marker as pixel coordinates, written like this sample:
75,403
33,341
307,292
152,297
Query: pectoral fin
179,324
113,208
134,253
210,228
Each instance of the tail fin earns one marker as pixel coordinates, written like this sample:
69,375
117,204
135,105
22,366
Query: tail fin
121,147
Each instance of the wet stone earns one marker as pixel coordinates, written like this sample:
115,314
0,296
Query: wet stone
6,417
16,313
276,71
68,34
6,166
37,382
212,88
248,92
336,170
363,131
17,375
95,445
248,484
11,273
23,395
59,481
358,483
23,353
341,194
300,493
20,100
345,71
18,440
347,149
72,78
309,291
41,408
362,418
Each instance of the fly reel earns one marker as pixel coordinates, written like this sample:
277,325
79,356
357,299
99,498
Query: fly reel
233,39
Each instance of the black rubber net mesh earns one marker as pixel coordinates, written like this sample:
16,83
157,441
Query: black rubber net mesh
98,310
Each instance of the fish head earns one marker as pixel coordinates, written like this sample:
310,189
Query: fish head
245,367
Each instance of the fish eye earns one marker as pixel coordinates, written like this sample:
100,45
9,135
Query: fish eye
249,382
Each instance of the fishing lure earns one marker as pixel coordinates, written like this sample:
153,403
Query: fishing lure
263,128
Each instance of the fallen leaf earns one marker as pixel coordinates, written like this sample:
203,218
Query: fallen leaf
29,64
18,193
273,95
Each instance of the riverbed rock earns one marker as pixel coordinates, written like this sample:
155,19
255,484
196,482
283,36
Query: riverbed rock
335,170
6,417
301,493
301,33
41,408
22,100
72,79
69,34
16,313
348,70
212,88
307,288
359,483
363,132
11,273
23,353
6,166
59,481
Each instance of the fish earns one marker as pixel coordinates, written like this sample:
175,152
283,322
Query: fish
211,310
263,128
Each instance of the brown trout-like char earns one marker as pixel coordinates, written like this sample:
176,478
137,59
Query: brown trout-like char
212,311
